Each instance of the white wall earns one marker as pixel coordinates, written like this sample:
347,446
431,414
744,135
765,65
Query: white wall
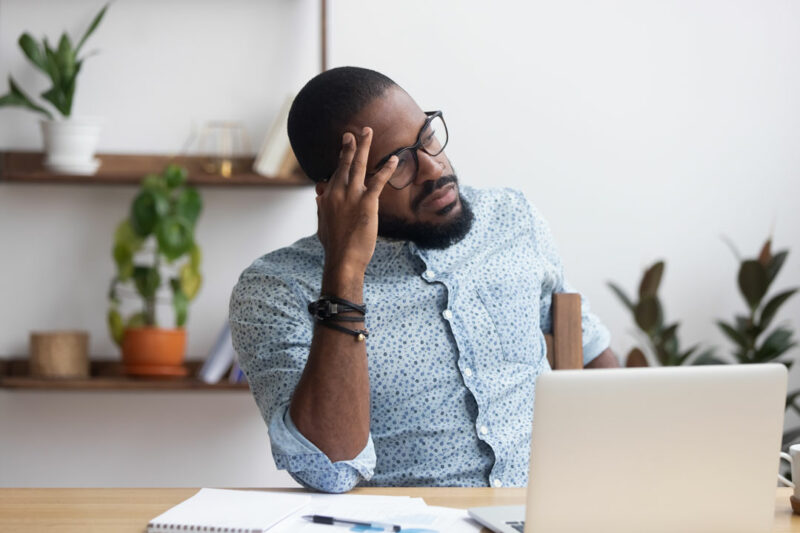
641,129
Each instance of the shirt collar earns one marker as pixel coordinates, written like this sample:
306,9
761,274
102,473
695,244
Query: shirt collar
386,250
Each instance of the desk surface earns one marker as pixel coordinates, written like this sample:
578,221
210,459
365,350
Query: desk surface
128,510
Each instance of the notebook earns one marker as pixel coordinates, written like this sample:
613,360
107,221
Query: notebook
232,511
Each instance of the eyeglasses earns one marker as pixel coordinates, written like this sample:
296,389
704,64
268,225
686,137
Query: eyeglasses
432,139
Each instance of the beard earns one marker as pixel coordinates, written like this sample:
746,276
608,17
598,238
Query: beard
427,235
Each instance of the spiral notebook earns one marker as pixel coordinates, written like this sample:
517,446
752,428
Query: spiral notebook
232,511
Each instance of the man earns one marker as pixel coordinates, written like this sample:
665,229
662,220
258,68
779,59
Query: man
432,383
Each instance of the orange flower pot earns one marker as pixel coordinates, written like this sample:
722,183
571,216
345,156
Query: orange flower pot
149,351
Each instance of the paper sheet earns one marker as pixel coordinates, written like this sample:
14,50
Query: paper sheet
411,513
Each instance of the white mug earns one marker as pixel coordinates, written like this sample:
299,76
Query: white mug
794,460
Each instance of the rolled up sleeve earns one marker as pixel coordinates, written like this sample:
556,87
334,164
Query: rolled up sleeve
271,332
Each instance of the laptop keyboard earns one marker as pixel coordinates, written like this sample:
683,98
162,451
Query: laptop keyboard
518,526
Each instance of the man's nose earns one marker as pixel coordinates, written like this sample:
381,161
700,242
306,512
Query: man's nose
428,167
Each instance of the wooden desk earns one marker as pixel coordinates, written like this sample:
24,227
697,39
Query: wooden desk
128,510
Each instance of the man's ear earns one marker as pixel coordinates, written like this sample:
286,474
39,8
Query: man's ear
320,187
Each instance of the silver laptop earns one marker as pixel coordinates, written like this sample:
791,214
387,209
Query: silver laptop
688,449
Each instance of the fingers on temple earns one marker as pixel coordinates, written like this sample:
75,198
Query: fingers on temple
359,166
341,176
378,182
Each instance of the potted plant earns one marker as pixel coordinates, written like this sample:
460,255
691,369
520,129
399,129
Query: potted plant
157,260
648,314
69,142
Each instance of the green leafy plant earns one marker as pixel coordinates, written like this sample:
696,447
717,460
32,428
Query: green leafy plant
61,64
154,243
648,314
754,279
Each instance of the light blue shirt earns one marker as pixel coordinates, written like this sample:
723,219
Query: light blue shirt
456,342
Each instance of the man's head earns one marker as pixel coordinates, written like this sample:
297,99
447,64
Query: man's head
430,209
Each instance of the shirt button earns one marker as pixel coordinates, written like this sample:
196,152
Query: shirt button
484,430
497,483
468,372
447,314
429,274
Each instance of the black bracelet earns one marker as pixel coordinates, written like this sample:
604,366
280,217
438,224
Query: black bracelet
359,334
329,306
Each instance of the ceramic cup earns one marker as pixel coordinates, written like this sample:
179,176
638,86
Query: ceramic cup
794,460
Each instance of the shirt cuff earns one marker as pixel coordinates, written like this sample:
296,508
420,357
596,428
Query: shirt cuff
308,465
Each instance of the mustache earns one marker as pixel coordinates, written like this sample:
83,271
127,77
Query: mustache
429,187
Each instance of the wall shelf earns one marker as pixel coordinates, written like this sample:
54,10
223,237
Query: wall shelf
129,169
107,376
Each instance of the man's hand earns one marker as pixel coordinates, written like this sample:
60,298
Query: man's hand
347,210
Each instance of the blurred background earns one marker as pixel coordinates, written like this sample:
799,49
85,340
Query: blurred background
642,130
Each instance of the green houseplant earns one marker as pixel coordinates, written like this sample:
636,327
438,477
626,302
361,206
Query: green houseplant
155,252
70,141
754,278
648,314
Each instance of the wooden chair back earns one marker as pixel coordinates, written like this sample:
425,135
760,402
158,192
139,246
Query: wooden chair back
565,345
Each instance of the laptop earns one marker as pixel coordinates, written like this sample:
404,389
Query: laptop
678,449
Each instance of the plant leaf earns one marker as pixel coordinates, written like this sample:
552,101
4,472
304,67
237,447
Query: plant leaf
775,265
651,280
752,282
775,345
647,313
189,205
636,358
733,334
16,98
92,27
175,237
772,308
190,281
147,208
33,51
181,304
115,326
621,295
51,60
66,58
175,175
147,280
765,256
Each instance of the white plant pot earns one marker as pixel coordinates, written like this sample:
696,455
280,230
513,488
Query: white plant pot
70,144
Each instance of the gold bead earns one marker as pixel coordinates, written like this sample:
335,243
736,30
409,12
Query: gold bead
360,337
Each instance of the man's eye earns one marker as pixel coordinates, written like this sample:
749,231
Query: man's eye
427,140
401,162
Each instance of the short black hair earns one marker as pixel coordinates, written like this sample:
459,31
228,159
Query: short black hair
322,109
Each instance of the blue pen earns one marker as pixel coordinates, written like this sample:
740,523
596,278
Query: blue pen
319,519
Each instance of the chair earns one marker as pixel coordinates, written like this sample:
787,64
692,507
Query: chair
565,345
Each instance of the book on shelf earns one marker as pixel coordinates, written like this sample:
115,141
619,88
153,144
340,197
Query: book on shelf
220,358
276,159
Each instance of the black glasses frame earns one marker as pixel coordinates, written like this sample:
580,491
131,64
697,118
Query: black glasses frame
431,115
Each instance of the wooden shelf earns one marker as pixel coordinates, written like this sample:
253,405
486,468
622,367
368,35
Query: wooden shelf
107,376
129,169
